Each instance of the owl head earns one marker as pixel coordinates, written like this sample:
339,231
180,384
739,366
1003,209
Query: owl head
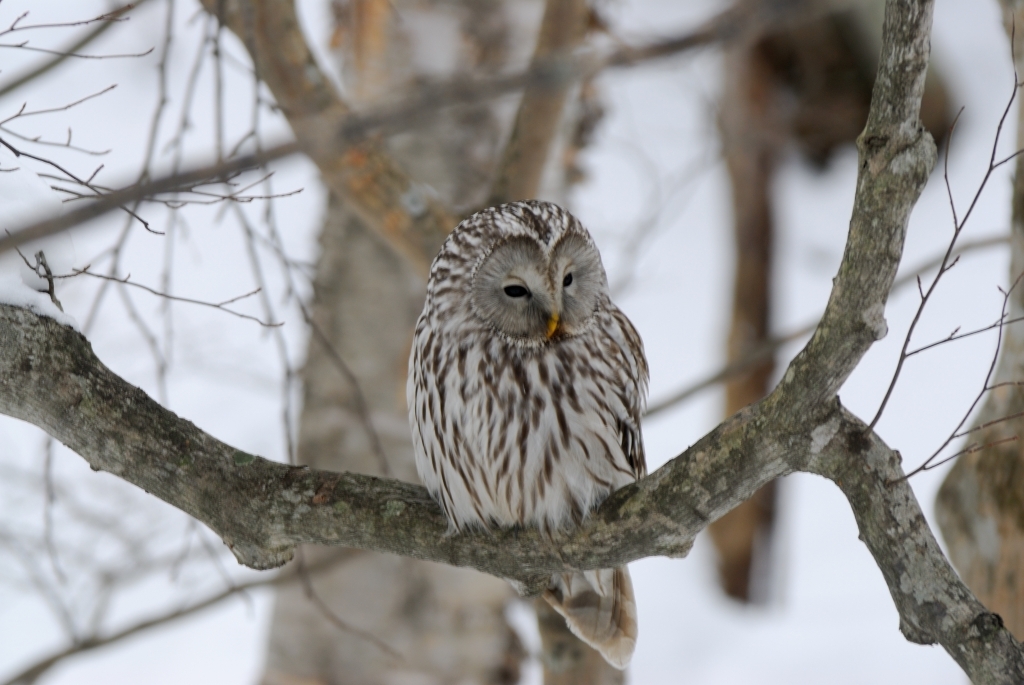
539,275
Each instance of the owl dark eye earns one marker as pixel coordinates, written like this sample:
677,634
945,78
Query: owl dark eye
516,291
567,281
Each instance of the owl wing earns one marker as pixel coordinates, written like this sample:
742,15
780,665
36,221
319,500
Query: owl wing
634,375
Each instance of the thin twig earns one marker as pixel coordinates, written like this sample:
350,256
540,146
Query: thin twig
177,298
78,55
958,226
768,347
986,386
21,113
33,672
85,40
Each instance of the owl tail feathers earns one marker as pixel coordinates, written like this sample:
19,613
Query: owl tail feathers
599,608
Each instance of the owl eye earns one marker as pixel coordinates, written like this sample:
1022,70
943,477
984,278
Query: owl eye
516,291
567,281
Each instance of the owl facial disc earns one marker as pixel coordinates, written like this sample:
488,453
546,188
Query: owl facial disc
529,290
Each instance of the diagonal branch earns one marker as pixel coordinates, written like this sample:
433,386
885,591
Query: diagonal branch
540,110
896,155
333,135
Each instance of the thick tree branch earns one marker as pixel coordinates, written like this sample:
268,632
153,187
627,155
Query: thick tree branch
934,604
50,377
896,156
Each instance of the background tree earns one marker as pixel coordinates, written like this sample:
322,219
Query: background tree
806,85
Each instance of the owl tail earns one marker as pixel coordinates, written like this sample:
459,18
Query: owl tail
599,608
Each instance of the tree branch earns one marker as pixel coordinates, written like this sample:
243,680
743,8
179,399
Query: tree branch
934,604
339,134
896,155
529,145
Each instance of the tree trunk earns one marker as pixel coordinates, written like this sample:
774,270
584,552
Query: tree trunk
446,625
752,135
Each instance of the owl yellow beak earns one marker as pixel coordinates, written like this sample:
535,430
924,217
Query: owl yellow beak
552,324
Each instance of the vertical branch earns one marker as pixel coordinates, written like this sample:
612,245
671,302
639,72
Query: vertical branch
752,135
51,501
526,153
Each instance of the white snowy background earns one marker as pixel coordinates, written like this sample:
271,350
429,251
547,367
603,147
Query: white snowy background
829,617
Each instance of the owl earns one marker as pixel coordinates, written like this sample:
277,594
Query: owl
526,386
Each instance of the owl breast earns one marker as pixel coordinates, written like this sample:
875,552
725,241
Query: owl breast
508,434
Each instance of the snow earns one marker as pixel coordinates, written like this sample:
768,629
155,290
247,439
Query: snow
13,291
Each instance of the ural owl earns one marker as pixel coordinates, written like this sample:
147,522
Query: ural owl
526,386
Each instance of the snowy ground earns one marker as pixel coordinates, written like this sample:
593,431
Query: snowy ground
829,617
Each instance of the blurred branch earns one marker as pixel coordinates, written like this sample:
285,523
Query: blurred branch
291,575
407,215
541,108
108,20
222,306
770,346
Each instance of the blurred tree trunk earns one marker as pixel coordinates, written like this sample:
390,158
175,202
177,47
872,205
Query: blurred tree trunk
980,506
566,659
752,136
447,625
807,85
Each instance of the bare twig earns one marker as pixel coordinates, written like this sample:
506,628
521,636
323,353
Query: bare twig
762,351
82,182
113,18
425,99
215,305
986,386
60,53
958,226
21,113
33,672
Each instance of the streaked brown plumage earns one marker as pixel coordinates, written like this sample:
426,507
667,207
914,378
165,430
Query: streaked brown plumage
526,387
